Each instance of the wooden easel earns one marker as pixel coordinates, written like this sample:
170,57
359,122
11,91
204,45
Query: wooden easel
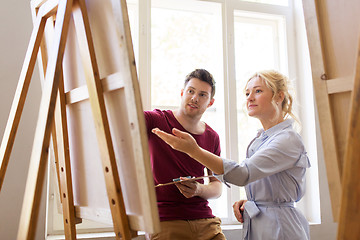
350,211
320,83
52,118
337,86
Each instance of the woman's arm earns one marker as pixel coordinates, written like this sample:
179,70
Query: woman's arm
184,142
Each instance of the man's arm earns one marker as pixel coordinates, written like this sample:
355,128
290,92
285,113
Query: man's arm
211,190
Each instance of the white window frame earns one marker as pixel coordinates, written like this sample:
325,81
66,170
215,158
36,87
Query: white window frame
298,67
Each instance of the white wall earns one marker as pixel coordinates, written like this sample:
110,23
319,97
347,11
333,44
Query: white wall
15,30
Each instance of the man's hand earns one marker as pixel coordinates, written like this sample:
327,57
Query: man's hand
189,188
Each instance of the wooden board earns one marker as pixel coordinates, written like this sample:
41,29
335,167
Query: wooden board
113,63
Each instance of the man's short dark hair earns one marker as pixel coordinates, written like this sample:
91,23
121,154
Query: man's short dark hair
203,75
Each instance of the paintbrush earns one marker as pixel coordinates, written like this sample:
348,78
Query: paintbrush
177,180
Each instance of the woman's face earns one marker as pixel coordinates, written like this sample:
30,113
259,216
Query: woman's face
259,100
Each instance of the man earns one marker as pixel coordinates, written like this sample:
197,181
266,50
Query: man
183,207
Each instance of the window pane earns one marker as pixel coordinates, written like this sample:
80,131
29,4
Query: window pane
186,35
256,48
182,40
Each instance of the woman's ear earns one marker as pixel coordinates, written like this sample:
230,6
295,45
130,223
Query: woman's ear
280,97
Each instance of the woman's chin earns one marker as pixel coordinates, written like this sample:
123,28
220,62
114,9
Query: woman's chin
251,114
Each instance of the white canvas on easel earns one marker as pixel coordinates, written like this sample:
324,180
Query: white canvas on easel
90,198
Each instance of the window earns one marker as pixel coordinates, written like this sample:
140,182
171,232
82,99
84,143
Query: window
231,39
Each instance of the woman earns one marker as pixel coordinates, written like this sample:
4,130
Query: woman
273,172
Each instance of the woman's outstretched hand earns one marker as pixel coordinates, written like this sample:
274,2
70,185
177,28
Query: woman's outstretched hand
180,141
184,142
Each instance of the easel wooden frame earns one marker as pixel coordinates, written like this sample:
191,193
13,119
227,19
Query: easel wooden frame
336,77
38,159
52,116
320,83
350,214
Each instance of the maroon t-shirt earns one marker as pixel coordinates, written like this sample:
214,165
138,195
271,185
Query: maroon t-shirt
168,164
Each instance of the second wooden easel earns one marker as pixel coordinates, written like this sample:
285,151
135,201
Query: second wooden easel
52,118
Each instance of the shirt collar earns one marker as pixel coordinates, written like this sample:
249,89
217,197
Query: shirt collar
278,127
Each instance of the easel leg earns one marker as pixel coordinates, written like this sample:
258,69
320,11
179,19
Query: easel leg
60,145
39,154
349,215
66,193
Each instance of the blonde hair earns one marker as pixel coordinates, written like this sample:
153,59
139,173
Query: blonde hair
278,83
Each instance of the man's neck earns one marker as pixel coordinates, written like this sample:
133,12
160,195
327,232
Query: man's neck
192,125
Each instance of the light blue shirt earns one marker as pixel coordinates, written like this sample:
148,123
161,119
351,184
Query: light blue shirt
273,174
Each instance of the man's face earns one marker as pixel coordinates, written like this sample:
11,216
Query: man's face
196,97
